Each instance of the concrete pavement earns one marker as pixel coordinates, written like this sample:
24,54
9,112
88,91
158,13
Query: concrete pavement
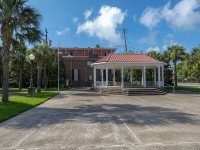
78,120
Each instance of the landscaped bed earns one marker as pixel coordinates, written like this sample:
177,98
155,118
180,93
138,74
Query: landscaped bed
190,89
20,103
26,89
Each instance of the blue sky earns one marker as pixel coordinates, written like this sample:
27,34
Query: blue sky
151,24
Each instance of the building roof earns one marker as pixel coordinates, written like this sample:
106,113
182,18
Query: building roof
127,58
89,48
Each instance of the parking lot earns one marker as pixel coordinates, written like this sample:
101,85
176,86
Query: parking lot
84,120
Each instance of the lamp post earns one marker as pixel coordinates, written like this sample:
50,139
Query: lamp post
31,57
31,89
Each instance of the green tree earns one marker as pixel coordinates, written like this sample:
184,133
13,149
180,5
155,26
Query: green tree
18,22
154,54
196,62
44,57
175,53
18,60
97,46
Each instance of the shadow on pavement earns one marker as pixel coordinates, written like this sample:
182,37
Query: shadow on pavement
102,114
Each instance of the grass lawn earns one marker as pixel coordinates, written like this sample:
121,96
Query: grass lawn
190,89
20,103
25,89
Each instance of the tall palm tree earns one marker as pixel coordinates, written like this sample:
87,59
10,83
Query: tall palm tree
175,53
18,22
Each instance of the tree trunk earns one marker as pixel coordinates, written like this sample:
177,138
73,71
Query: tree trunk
39,78
5,85
45,76
20,79
175,74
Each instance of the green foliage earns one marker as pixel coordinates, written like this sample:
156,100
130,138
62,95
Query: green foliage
19,22
154,54
190,89
174,54
44,56
21,103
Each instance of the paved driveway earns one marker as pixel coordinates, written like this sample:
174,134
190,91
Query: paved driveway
77,120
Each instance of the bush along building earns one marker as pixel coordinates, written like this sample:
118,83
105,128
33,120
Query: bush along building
78,70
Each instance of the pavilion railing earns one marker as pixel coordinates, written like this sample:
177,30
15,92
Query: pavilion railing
110,83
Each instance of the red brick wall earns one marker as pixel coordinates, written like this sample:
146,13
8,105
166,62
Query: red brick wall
79,61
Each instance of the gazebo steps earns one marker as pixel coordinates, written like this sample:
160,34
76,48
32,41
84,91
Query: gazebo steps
116,91
144,91
133,91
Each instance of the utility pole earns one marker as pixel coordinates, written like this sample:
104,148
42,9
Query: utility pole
125,44
46,36
58,67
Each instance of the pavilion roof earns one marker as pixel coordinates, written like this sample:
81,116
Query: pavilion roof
113,57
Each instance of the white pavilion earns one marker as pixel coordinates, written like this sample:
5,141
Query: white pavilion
113,62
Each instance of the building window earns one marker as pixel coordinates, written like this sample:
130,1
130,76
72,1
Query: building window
90,54
71,54
105,53
90,77
88,63
75,75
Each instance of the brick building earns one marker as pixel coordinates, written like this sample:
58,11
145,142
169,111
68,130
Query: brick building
78,64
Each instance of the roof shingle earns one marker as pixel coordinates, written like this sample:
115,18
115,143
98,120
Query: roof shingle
127,58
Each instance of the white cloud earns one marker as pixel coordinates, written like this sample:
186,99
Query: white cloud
75,20
87,14
150,17
134,18
184,15
104,26
170,43
157,49
63,31
149,39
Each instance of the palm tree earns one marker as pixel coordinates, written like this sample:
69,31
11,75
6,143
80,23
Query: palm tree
154,54
18,22
196,62
44,56
18,58
175,53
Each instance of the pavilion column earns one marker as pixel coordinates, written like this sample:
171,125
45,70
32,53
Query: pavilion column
159,76
113,77
122,77
131,76
154,71
106,76
144,77
95,79
163,80
102,77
